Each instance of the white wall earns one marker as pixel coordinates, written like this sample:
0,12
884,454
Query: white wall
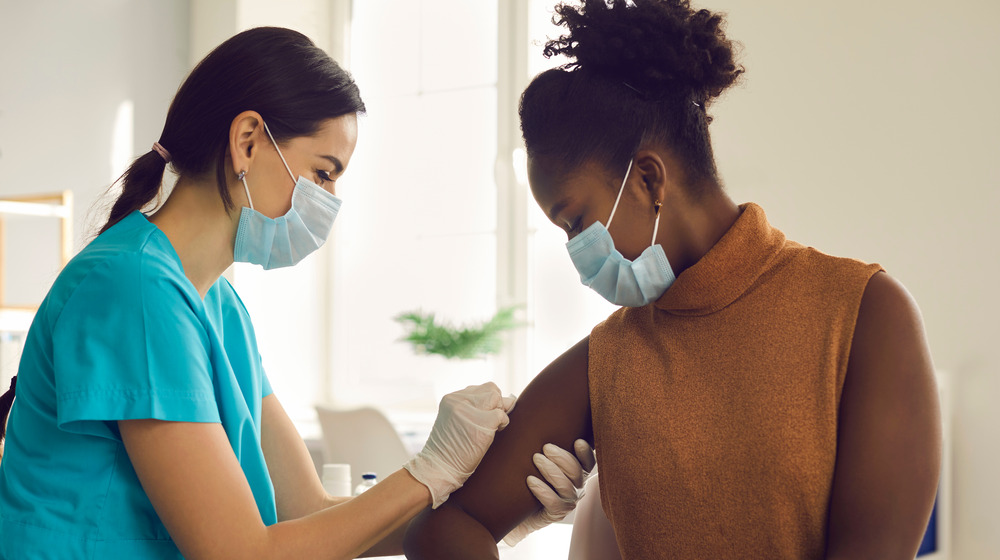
871,129
67,69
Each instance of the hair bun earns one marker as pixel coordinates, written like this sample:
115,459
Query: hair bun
658,47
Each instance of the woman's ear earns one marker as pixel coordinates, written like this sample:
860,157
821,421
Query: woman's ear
244,133
653,171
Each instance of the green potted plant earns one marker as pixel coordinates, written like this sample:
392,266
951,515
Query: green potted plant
431,336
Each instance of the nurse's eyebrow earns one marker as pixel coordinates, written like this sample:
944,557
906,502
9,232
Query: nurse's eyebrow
337,165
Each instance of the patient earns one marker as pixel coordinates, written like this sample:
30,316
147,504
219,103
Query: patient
753,397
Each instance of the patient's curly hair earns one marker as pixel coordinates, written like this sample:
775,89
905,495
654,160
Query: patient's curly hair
639,71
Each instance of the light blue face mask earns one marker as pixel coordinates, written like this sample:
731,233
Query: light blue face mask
286,240
609,273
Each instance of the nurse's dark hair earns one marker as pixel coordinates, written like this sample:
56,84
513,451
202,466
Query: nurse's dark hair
640,72
279,73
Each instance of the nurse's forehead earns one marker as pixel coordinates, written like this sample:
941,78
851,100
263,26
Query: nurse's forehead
335,139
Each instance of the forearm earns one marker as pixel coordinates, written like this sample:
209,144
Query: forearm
391,545
330,501
349,529
449,534
207,504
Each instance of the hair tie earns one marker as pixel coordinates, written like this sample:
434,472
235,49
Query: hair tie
162,151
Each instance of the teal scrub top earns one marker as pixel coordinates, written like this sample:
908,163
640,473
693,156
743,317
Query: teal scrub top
122,334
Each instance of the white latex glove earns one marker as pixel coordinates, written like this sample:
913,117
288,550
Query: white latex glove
464,428
566,474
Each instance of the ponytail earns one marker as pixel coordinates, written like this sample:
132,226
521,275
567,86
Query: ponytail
6,401
140,185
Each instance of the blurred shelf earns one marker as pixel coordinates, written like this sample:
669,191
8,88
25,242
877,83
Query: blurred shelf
23,208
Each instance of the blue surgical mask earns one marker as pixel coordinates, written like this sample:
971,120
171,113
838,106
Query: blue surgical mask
286,240
609,273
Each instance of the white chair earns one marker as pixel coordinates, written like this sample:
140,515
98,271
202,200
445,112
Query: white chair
363,438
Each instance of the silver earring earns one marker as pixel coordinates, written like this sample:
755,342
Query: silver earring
241,175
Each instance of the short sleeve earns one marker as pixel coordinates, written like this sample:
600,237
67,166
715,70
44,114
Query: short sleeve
131,344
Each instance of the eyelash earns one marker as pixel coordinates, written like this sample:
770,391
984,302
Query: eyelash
576,224
323,176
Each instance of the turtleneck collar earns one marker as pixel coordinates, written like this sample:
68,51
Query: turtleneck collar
729,268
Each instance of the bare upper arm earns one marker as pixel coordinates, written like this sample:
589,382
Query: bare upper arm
889,434
553,408
196,485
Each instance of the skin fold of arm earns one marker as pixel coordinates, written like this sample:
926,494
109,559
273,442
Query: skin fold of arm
889,435
554,408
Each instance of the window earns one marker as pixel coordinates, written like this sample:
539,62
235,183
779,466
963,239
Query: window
418,225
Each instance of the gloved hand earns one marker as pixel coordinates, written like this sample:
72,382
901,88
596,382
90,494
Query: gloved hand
464,428
566,474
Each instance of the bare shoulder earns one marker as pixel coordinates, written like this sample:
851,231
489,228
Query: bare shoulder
889,431
887,302
889,339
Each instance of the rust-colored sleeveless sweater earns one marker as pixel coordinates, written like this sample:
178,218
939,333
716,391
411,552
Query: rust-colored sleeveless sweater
715,408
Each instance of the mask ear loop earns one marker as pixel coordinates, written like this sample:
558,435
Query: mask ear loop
242,177
620,191
268,131
656,224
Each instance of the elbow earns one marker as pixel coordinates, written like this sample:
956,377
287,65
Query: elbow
419,540
448,533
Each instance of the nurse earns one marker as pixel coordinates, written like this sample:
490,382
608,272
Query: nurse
144,424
